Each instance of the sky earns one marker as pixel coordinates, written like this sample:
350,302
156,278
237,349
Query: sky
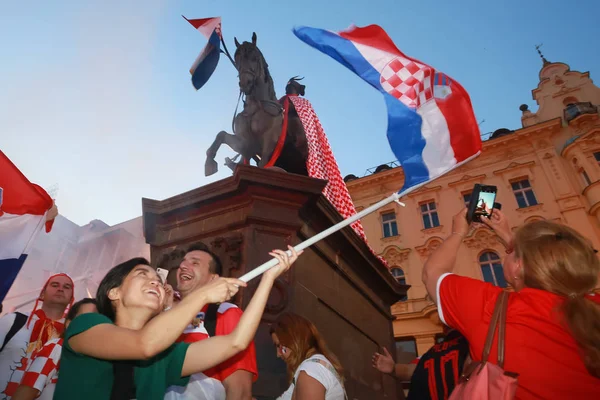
96,98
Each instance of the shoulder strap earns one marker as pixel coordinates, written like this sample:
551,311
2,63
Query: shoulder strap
18,323
496,316
210,319
502,329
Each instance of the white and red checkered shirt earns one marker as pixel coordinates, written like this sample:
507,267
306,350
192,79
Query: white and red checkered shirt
41,372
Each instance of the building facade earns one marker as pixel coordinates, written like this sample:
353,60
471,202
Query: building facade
548,169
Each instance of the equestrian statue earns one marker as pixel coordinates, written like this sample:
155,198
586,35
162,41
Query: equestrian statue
267,130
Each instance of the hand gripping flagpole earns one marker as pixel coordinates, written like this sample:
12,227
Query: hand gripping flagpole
309,242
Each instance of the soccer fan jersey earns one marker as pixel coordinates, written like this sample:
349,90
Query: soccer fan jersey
41,372
438,370
208,385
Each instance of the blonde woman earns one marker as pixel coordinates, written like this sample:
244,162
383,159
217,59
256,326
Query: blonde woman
314,372
552,326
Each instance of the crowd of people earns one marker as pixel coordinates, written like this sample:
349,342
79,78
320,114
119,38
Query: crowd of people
142,339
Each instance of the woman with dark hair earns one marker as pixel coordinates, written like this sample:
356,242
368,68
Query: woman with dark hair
128,351
552,339
314,372
39,380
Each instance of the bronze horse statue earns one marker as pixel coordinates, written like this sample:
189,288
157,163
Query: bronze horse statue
256,130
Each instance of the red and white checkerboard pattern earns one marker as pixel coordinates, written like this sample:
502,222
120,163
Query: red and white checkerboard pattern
40,370
408,81
322,165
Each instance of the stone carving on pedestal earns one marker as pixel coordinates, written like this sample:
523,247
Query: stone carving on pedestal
171,258
229,250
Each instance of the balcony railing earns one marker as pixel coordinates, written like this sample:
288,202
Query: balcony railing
576,109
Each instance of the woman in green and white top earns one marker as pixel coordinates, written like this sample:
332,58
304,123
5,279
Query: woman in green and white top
127,351
314,372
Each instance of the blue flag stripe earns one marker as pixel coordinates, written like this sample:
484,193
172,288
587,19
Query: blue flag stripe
207,61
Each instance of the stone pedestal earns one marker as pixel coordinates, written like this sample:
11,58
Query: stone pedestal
338,283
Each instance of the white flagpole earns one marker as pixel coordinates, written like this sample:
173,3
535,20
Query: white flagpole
310,241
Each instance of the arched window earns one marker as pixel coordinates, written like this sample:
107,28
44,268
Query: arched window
491,269
569,100
398,273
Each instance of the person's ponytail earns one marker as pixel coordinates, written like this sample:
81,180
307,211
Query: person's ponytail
582,317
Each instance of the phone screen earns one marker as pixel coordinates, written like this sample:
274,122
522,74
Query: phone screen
485,202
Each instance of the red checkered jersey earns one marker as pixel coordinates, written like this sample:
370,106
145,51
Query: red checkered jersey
228,316
538,346
41,371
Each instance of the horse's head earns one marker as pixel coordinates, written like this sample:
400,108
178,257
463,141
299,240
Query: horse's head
251,65
295,87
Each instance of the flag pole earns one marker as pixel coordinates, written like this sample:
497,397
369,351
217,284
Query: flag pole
322,235
310,241
226,52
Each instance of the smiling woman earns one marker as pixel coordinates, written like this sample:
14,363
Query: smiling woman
127,351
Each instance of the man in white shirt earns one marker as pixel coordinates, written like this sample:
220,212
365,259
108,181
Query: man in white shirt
22,334
232,379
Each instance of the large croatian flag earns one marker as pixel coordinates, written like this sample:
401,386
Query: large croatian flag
431,124
23,207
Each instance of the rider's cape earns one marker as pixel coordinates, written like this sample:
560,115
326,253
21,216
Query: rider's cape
321,163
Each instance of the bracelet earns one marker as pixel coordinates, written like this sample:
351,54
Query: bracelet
167,309
460,234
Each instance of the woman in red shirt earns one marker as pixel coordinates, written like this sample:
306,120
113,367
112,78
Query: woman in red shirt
553,322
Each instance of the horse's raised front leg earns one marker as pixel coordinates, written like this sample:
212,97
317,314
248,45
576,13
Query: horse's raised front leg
237,143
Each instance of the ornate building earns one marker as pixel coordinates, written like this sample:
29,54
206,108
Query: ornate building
548,169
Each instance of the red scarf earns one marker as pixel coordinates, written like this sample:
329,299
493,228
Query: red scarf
45,328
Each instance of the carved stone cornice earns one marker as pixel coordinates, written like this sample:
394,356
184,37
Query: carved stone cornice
481,238
432,231
424,190
395,256
379,177
429,246
531,209
467,179
514,166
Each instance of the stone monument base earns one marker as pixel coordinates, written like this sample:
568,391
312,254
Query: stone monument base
338,283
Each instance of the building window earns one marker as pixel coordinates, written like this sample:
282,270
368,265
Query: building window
597,157
524,193
406,350
398,273
491,269
430,215
390,226
467,198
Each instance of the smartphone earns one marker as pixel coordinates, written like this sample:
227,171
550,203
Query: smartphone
163,273
483,200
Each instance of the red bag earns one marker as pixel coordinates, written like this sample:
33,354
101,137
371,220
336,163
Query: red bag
482,380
